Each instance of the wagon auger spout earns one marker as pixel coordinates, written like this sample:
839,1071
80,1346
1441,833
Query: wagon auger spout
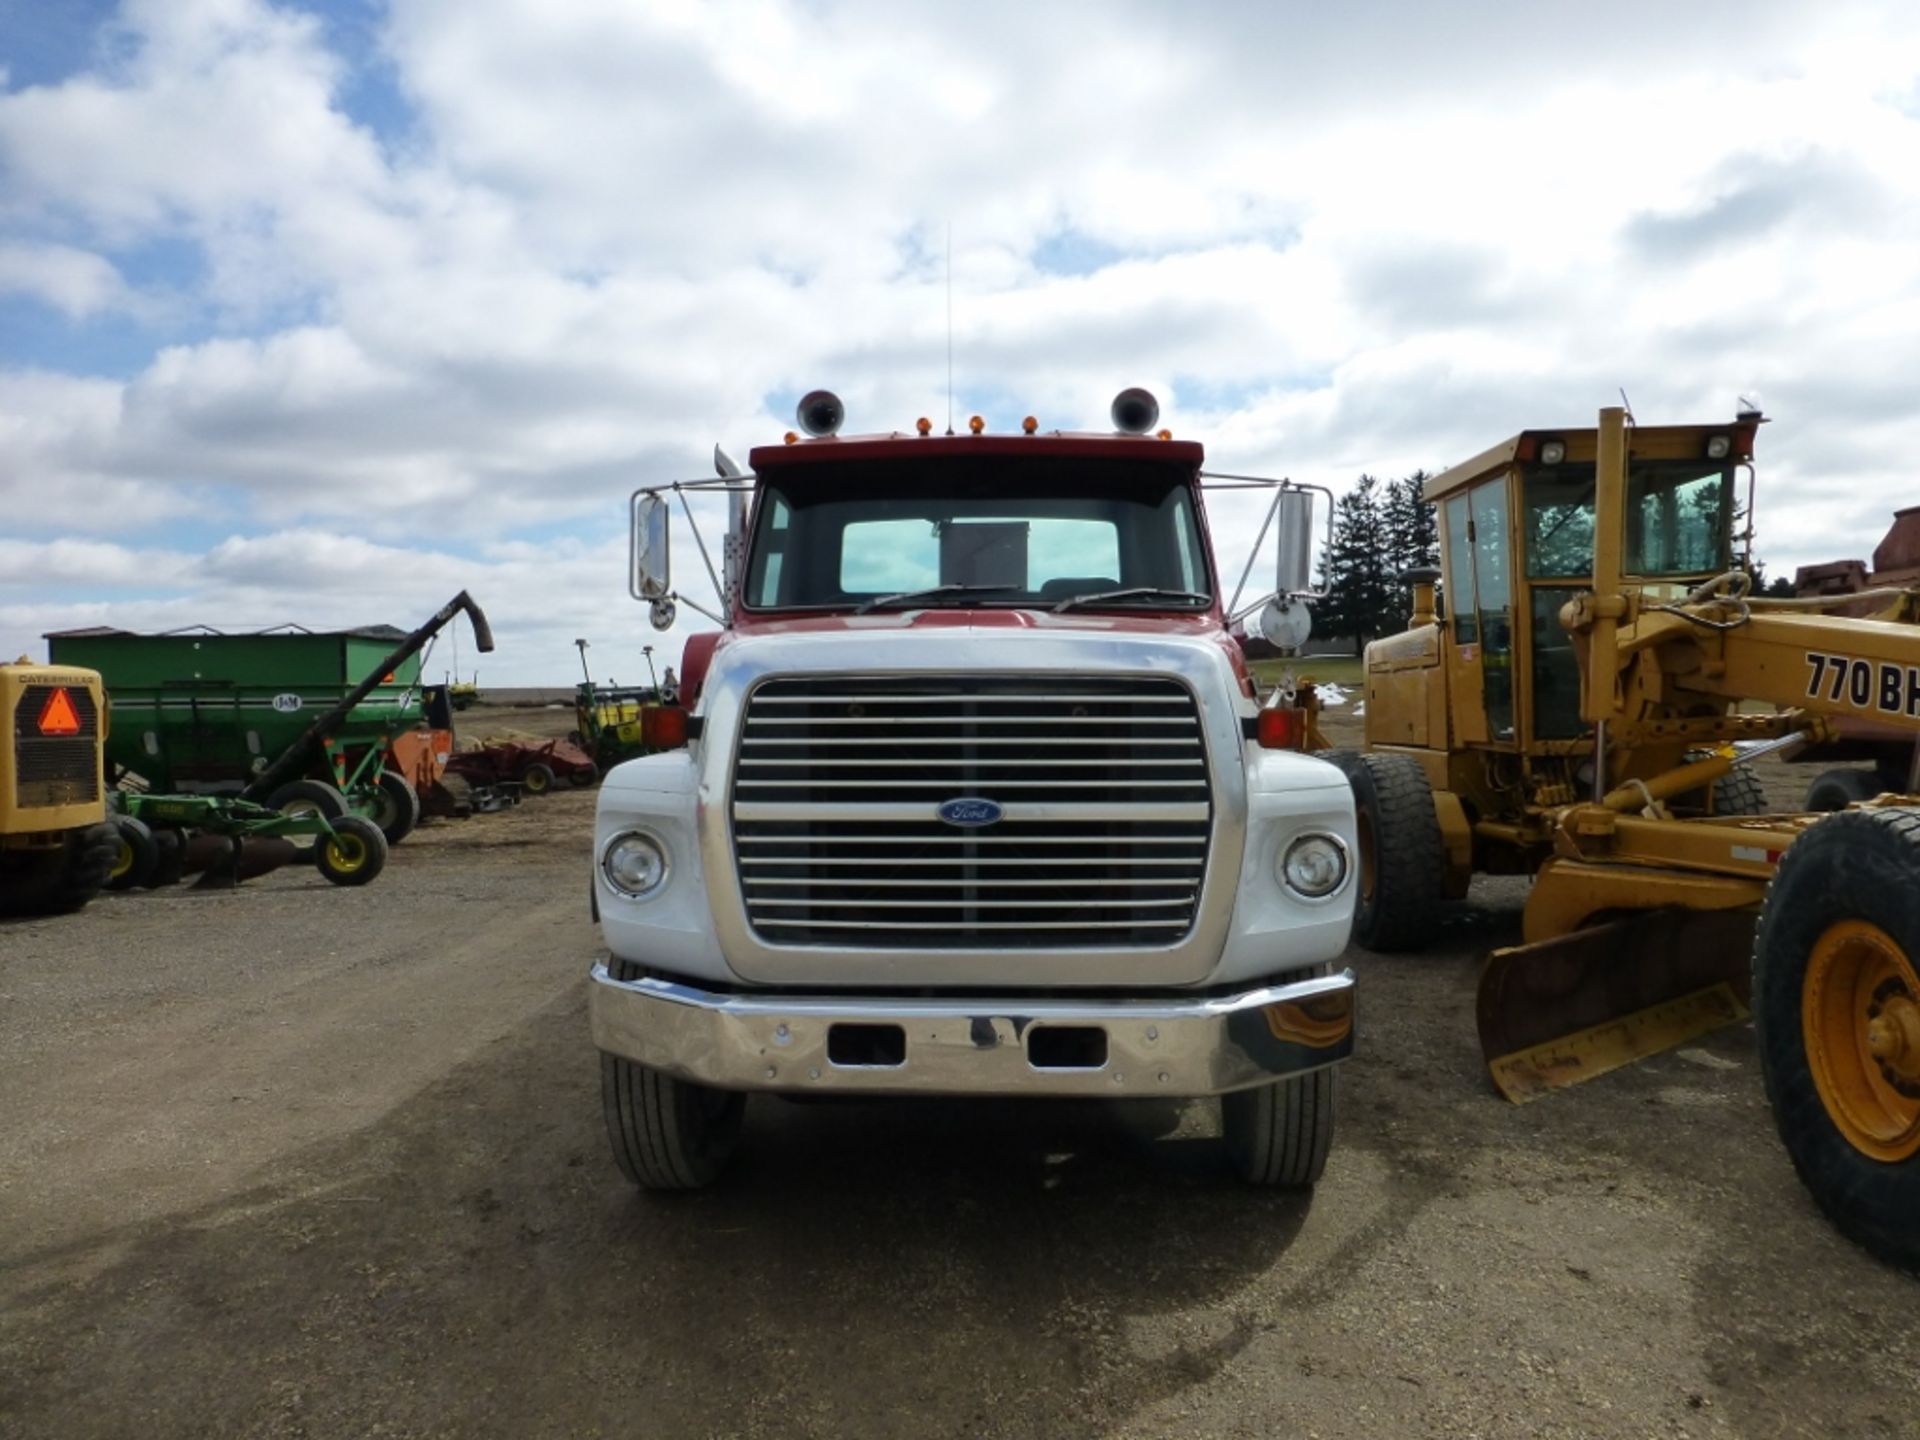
289,761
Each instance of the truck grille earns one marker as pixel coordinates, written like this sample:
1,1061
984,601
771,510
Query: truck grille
55,769
1103,785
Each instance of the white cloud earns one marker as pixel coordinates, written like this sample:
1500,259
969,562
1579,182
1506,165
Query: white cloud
75,282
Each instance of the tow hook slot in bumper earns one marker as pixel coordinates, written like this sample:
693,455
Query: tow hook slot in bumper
969,1045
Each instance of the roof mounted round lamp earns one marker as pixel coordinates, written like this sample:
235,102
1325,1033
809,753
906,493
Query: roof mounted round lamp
820,413
1135,411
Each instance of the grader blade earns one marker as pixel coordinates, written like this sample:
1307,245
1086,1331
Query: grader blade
1561,1011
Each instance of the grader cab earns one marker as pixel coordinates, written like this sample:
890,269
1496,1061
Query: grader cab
1583,703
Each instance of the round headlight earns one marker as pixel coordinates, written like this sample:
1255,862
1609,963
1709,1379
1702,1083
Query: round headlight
635,864
1314,866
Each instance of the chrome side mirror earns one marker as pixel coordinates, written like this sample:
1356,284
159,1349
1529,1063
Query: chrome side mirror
1293,527
1285,624
652,564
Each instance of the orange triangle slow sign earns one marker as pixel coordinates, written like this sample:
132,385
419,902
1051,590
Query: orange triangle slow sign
58,717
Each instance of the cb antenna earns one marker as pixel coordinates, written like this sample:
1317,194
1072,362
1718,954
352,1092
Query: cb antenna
1627,405
949,327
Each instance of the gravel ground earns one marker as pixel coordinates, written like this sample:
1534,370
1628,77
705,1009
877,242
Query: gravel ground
299,1161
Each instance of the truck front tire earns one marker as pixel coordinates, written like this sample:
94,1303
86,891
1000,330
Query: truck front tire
1279,1134
666,1133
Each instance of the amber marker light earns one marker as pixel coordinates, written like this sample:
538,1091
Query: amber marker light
1029,425
1166,434
790,438
976,424
923,425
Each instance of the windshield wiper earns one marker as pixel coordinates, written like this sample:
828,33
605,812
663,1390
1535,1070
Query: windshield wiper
934,592
1132,592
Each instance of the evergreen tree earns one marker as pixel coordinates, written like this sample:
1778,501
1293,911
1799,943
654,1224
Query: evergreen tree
1357,567
1413,541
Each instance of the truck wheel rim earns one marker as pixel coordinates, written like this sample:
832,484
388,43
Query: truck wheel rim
346,853
1860,1015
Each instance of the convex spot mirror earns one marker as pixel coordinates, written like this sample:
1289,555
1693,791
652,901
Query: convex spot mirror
652,567
1293,525
1285,624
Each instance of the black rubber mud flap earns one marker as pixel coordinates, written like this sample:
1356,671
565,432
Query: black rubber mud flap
1557,1012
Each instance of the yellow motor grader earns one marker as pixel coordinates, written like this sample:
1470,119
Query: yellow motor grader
1586,711
57,846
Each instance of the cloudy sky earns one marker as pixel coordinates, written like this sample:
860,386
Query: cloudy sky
320,310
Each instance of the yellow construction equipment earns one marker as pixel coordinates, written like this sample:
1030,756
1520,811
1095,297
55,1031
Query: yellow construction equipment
1586,712
57,847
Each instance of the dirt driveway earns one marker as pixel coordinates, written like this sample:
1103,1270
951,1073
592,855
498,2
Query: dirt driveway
298,1161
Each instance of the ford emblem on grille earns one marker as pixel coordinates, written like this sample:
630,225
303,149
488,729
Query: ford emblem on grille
970,812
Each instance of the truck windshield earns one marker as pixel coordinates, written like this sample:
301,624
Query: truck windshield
1678,519
987,530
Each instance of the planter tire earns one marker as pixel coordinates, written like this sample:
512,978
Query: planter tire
666,1133
1402,861
1836,1002
136,857
355,855
307,797
170,846
396,807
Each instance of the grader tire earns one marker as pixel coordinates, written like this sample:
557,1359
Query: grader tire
1837,789
1836,1002
60,880
1402,861
1279,1134
90,862
1739,792
666,1133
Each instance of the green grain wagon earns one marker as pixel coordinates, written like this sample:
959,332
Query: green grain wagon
200,711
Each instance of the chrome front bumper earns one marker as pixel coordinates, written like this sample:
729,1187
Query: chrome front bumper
964,1046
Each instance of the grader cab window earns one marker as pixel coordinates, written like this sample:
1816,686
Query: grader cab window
1559,522
1482,609
1559,536
1678,519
